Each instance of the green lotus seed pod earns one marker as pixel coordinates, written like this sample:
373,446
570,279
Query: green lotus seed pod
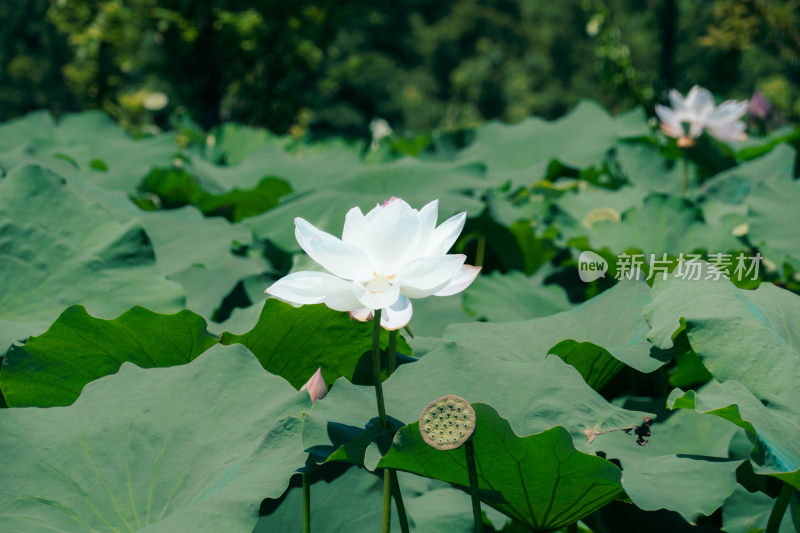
456,418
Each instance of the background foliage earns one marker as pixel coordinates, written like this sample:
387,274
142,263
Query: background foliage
331,67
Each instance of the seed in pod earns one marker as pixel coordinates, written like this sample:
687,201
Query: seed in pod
447,422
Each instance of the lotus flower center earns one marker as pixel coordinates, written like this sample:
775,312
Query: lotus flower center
379,283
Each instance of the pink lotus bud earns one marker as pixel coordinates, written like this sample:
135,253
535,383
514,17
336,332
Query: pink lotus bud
759,108
316,386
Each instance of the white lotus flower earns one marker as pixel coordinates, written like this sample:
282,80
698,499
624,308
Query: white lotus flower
380,129
698,111
384,258
315,386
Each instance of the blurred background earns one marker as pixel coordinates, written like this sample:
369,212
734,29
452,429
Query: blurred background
321,67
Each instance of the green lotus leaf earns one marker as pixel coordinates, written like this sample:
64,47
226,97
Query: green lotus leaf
772,423
540,480
582,208
648,171
52,368
745,339
303,173
156,450
293,342
106,155
59,248
535,395
690,485
513,296
755,146
772,214
522,152
196,252
597,337
662,224
432,316
207,286
351,502
735,184
745,512
688,370
684,467
33,128
183,237
233,142
242,320
742,335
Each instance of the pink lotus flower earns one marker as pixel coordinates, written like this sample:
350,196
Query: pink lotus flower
384,258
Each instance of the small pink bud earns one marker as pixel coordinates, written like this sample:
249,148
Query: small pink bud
759,108
364,314
316,386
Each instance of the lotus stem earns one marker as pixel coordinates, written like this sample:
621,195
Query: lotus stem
391,357
469,450
398,500
386,521
306,504
376,380
779,509
685,185
481,251
376,368
390,484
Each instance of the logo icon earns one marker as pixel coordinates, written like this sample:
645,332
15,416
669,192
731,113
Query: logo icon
591,266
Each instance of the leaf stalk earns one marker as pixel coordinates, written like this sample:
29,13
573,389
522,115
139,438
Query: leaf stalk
306,504
477,514
779,509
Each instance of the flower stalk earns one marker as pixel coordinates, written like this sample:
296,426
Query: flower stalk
685,185
481,251
391,357
390,484
376,368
